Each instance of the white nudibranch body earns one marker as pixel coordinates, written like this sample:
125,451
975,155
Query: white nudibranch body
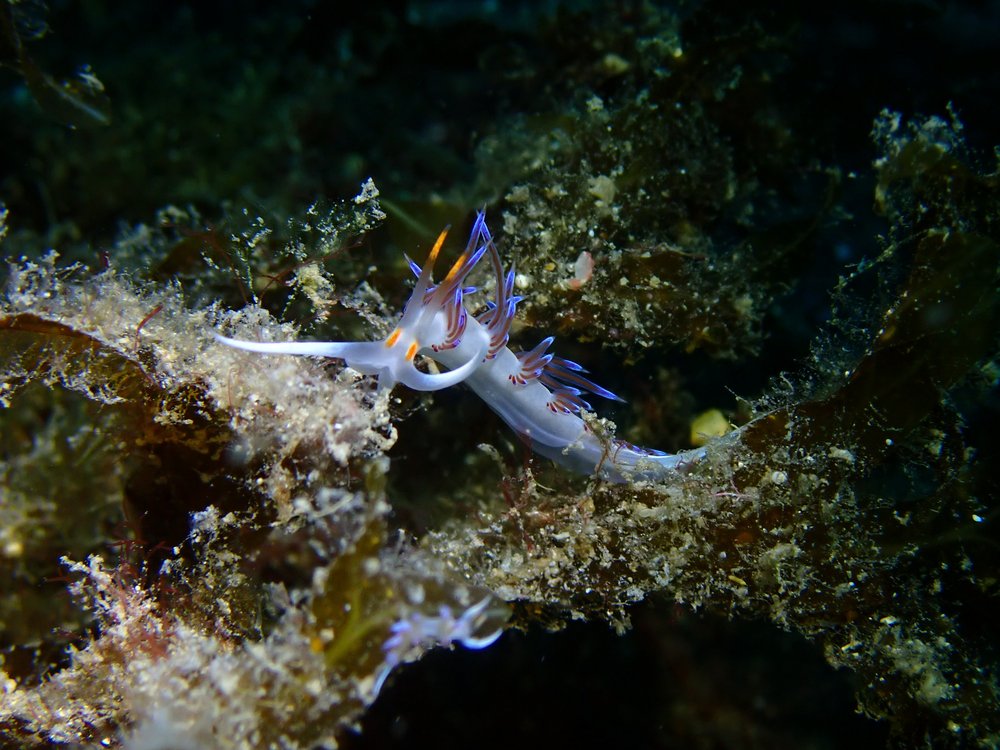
537,394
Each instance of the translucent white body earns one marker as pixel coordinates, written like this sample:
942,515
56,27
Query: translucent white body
436,324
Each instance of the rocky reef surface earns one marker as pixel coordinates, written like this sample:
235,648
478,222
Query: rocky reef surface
720,211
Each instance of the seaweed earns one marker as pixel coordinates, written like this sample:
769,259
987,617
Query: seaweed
811,514
236,479
228,526
288,585
77,102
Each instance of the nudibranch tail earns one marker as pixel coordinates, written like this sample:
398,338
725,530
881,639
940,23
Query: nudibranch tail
538,394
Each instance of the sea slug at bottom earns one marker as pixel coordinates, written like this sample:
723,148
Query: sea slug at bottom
537,394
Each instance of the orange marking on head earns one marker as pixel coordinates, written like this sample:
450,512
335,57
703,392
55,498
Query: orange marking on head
393,338
412,351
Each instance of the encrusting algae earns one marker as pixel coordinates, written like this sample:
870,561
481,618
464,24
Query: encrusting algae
202,548
288,587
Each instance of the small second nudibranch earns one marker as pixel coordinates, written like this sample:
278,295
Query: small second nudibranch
539,395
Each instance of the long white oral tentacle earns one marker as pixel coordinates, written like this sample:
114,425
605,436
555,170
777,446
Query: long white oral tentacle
423,381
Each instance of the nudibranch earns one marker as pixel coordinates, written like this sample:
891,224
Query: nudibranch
538,395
